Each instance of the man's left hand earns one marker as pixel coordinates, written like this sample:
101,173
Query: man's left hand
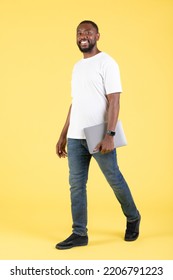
106,145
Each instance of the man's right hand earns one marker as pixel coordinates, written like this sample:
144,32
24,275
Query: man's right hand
60,147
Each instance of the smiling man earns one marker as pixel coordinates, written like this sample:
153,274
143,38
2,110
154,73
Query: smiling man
87,38
96,89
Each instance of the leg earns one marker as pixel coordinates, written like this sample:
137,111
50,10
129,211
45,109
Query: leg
79,160
109,167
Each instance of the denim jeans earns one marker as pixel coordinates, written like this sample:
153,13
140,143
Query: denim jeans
79,161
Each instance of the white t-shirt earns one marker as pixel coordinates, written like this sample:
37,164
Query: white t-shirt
92,79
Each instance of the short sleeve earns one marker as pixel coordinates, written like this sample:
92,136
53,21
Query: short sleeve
111,77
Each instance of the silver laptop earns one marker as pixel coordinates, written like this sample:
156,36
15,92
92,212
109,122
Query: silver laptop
95,134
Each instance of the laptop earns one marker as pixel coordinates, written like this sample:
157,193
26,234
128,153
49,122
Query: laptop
95,134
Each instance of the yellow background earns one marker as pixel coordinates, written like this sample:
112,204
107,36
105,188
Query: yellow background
37,53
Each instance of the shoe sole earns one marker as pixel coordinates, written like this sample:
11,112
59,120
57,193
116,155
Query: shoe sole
133,239
69,247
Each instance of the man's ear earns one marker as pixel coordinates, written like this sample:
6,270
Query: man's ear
98,36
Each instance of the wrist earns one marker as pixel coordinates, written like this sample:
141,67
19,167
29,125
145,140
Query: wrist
110,133
109,137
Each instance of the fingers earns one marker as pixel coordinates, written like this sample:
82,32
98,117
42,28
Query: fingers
104,151
102,148
62,154
60,151
97,148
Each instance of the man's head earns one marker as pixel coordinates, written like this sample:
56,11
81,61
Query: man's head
87,36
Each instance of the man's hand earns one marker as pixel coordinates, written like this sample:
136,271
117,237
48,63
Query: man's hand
60,147
106,145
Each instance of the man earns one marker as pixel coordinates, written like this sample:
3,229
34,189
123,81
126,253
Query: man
96,89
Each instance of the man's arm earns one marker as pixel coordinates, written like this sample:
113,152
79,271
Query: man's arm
107,144
61,144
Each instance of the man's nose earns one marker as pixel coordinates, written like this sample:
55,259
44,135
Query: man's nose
83,36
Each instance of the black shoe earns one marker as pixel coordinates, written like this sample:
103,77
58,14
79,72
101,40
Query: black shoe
132,230
72,241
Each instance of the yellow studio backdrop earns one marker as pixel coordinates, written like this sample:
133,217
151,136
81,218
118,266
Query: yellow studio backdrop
37,53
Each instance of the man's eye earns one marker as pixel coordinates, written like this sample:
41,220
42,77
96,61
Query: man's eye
84,33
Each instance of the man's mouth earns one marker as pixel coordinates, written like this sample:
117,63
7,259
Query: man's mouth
84,42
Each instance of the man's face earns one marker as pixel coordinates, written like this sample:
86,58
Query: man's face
87,37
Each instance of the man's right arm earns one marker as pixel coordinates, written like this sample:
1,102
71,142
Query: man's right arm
61,144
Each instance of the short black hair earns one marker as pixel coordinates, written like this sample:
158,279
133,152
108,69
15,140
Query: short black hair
92,23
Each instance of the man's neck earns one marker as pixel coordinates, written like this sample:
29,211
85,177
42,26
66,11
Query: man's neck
90,54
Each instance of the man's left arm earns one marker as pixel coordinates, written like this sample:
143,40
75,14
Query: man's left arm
107,144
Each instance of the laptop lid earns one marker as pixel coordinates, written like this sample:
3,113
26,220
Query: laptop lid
95,134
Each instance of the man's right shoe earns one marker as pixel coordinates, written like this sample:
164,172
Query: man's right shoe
73,240
132,230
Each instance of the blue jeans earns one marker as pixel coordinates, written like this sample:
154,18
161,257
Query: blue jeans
79,161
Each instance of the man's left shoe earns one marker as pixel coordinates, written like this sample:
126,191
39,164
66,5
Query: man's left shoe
73,240
132,230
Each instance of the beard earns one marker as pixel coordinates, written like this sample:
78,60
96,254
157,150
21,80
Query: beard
86,49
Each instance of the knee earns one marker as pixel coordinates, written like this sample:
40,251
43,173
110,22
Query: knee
78,181
116,180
